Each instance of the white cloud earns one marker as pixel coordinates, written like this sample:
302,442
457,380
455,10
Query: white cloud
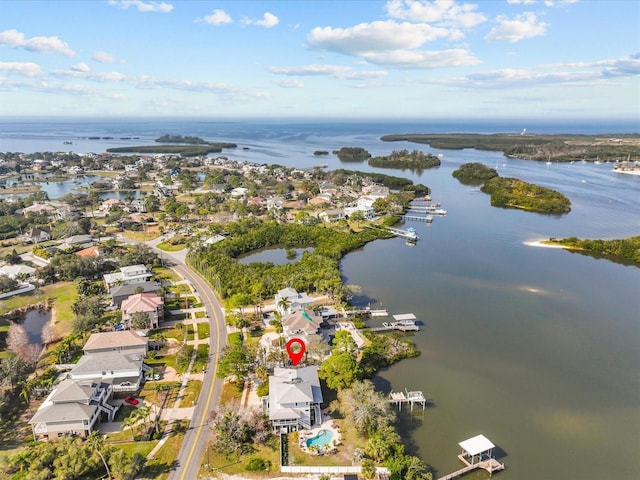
82,71
307,70
268,20
380,36
574,74
439,12
520,27
142,6
104,57
15,39
81,67
336,71
422,59
218,17
290,83
27,69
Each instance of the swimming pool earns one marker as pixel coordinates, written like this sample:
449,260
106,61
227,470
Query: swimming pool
323,438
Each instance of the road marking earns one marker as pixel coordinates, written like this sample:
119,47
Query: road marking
207,293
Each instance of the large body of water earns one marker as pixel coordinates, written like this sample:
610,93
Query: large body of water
536,348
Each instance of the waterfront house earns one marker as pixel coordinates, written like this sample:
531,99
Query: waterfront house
288,300
124,342
294,399
301,323
73,408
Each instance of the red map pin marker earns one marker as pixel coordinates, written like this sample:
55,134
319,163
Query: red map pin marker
295,355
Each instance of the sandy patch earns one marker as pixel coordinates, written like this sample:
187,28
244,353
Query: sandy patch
539,243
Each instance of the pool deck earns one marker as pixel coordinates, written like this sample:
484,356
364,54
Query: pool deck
328,425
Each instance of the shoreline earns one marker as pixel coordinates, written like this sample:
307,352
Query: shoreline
541,244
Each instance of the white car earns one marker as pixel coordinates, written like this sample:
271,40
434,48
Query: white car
149,376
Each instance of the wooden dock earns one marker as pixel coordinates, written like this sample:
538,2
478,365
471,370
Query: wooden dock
491,465
417,218
405,322
406,234
411,398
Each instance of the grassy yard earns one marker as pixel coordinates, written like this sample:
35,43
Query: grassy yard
150,233
170,389
62,294
167,247
191,394
203,329
270,452
160,466
162,273
202,358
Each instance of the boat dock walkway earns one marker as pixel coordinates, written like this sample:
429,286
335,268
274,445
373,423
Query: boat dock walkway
405,323
411,398
491,465
367,311
406,234
417,218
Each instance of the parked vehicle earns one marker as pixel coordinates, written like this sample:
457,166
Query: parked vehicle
131,401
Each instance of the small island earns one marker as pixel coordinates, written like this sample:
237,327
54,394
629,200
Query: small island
511,192
475,173
415,160
321,152
167,138
352,154
624,251
556,148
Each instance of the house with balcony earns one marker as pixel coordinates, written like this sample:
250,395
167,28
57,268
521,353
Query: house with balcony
130,275
294,399
147,303
124,373
73,408
289,300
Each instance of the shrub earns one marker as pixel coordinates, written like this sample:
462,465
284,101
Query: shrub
257,464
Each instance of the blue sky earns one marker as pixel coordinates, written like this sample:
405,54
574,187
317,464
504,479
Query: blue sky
347,59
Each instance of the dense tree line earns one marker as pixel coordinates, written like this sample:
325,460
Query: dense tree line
352,154
627,249
414,160
71,458
514,193
370,413
317,270
475,173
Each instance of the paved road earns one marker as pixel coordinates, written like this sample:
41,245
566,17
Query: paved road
194,444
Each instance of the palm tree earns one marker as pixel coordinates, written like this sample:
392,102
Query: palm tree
96,442
283,304
129,422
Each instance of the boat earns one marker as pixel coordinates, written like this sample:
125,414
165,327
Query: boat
440,211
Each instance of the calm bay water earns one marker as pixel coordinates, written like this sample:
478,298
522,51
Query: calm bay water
536,348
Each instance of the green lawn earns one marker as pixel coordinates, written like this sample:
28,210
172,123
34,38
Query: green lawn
191,394
203,329
160,465
167,247
270,452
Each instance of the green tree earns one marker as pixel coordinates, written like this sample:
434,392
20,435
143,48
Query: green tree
368,409
96,442
340,370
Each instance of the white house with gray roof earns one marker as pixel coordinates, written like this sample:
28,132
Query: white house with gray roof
129,275
294,399
123,372
125,341
73,408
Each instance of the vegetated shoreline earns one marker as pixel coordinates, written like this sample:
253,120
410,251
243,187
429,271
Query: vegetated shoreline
557,148
625,251
514,193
